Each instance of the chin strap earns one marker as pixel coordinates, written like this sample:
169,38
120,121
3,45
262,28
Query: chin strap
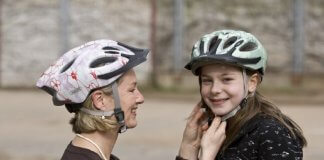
118,112
243,101
103,114
230,114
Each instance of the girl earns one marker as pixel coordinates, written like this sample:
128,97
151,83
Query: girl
97,83
230,65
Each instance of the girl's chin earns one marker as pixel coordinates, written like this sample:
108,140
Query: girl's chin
220,112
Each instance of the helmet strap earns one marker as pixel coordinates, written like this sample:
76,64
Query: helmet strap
119,113
103,114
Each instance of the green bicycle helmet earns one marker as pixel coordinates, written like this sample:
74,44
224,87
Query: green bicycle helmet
228,46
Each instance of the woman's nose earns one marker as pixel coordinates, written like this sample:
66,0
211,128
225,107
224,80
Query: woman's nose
140,97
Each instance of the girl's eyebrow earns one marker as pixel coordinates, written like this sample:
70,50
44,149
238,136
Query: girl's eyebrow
227,74
223,74
203,75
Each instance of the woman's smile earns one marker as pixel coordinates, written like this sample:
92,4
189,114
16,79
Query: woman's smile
133,111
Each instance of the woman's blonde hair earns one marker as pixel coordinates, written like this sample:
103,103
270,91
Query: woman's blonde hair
86,123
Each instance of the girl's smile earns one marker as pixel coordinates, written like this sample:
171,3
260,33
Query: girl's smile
218,101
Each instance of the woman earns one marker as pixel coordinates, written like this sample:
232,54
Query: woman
97,83
230,66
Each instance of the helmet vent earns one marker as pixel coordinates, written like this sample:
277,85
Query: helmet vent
250,46
102,61
214,44
229,42
111,50
67,66
201,47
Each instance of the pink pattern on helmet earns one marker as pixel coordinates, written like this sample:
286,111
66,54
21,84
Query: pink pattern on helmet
73,83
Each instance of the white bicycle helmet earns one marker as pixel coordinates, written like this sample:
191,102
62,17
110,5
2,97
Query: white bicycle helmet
93,65
228,46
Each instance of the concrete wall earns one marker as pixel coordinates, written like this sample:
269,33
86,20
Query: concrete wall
31,31
269,20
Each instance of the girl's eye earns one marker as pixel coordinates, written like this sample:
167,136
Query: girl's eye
132,90
206,81
227,79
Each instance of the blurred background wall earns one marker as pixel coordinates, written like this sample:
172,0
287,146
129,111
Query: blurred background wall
35,32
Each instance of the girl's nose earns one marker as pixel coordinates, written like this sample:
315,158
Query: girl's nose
216,89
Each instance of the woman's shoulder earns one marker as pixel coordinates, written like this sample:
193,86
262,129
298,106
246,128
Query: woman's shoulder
73,152
113,157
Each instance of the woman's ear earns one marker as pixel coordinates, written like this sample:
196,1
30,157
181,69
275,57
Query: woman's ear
98,100
253,82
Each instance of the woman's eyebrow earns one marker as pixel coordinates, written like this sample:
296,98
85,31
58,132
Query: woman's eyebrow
134,84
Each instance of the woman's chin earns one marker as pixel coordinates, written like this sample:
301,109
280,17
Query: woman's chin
131,125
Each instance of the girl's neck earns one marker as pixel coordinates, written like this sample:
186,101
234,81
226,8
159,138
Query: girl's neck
104,140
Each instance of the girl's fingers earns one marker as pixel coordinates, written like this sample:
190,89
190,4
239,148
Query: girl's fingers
204,127
196,109
197,116
222,128
215,124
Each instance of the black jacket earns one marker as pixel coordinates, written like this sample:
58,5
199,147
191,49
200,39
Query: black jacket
263,138
77,153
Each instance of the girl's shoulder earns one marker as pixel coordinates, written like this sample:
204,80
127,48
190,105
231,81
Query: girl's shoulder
269,124
276,140
267,129
266,125
261,122
269,138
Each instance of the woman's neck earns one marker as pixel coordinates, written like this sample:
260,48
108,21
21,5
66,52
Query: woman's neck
104,140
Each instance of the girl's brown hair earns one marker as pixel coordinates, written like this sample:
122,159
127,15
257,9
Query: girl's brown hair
257,104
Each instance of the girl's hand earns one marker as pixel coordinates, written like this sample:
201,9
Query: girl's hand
191,139
213,139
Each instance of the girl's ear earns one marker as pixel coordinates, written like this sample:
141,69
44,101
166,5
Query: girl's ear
253,82
98,100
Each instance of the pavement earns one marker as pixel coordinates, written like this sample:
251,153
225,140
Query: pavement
31,128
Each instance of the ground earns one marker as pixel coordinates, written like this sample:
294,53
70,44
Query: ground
31,128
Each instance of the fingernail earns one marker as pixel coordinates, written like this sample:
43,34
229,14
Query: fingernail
203,110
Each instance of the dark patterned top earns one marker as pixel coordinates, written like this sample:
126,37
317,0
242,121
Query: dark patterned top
263,138
77,153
